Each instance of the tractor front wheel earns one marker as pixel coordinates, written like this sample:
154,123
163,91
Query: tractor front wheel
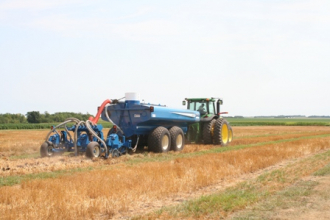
231,134
221,132
93,150
177,138
159,140
46,150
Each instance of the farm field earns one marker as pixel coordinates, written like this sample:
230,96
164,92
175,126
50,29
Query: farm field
280,121
258,169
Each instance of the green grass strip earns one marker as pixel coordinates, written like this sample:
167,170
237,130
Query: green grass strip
13,180
293,196
24,156
272,135
325,171
278,121
232,121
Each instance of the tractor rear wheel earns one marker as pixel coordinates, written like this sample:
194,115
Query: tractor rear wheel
177,138
46,150
208,132
221,132
159,140
93,150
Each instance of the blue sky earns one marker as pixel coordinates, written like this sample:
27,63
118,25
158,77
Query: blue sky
261,57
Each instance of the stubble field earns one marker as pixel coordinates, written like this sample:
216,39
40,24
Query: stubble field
202,181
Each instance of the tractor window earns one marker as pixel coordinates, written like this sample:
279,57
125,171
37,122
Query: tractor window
192,106
204,107
201,107
211,108
196,105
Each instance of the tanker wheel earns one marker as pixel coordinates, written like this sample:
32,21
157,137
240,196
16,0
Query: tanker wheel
177,138
221,132
46,150
231,134
159,140
93,150
208,132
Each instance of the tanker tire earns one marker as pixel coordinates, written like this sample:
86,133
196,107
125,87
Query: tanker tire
177,138
208,131
221,132
93,150
231,134
46,150
159,140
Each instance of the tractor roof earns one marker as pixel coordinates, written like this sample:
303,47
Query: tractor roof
213,99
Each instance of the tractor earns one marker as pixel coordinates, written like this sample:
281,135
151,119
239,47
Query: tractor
211,128
137,124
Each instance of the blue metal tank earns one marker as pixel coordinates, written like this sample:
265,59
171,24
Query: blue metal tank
136,118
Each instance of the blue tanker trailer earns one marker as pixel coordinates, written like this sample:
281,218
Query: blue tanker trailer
135,124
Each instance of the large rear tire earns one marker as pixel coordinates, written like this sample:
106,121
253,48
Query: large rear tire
159,140
177,138
93,150
221,132
208,131
46,150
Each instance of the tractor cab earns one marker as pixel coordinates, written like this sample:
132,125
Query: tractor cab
207,107
211,129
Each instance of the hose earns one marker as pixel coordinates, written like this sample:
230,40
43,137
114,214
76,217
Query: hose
137,142
90,129
78,123
99,111
88,123
63,123
67,131
76,137
107,116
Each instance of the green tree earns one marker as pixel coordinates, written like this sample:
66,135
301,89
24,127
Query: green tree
33,117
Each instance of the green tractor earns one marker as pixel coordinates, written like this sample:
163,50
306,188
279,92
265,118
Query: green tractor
212,128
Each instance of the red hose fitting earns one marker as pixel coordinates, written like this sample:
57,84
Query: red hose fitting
99,111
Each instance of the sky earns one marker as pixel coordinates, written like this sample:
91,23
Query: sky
261,57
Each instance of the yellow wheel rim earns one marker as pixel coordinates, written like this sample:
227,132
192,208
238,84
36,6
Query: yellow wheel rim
224,133
230,137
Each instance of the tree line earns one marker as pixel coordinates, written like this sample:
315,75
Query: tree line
37,117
